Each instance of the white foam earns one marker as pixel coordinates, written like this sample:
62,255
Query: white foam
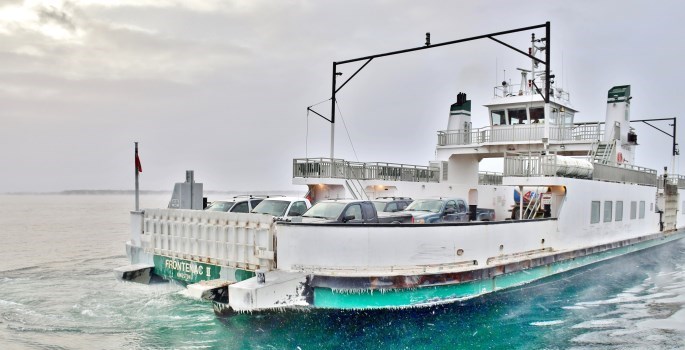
87,312
547,323
7,302
606,323
625,298
575,307
675,322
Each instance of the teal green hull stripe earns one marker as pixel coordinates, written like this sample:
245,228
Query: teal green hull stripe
367,299
189,271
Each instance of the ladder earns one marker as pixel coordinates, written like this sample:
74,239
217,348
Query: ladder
603,152
356,188
533,205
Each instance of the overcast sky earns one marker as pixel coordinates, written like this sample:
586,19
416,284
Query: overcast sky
221,87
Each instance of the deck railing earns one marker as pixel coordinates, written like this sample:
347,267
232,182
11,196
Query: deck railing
673,179
624,173
536,164
342,169
520,133
489,178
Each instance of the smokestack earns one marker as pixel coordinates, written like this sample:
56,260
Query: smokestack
460,114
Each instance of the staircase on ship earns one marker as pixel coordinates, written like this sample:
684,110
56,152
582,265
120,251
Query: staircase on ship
603,152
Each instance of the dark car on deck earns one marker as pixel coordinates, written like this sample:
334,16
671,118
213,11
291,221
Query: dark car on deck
430,211
391,204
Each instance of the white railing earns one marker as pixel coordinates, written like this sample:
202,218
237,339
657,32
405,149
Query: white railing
521,133
237,240
537,164
529,164
342,169
673,179
489,178
624,173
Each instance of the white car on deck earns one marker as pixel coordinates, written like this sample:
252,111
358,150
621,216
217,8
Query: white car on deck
283,208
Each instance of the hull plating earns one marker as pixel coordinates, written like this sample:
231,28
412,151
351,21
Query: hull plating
424,296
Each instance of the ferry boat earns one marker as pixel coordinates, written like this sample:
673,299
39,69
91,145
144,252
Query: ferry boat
570,195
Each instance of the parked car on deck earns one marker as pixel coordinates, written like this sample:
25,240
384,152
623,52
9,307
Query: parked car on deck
391,204
350,211
283,208
428,211
239,204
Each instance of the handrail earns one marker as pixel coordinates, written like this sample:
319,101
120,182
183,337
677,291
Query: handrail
342,169
535,164
489,178
521,132
672,179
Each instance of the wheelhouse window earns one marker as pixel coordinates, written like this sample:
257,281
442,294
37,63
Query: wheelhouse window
619,210
642,209
554,117
633,210
537,115
517,116
594,212
608,210
498,118
568,117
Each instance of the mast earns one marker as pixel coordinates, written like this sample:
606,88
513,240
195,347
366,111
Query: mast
335,74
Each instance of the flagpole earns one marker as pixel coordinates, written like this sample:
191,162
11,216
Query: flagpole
135,168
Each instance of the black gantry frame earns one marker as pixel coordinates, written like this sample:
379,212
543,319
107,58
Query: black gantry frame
428,45
674,125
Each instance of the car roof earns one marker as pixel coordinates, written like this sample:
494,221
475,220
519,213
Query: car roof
398,199
439,199
233,199
290,199
347,200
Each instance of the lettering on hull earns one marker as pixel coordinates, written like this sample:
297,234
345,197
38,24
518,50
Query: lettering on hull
185,270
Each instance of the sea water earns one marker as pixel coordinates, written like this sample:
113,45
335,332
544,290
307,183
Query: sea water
58,291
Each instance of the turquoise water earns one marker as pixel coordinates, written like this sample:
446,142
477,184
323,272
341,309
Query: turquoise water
57,291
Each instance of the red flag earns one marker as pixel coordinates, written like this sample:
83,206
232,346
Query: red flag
138,166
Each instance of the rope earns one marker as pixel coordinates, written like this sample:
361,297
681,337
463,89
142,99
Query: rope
316,104
347,131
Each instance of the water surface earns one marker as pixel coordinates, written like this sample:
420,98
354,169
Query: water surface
57,291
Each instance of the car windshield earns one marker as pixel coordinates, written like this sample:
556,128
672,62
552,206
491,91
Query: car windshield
380,206
275,208
431,205
220,206
325,210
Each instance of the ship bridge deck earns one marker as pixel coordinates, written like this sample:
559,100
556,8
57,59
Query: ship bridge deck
582,133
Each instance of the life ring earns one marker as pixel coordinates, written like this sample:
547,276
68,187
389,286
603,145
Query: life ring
619,157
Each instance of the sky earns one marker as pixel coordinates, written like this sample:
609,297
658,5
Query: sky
221,87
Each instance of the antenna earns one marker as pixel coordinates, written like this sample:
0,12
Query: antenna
562,70
496,80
